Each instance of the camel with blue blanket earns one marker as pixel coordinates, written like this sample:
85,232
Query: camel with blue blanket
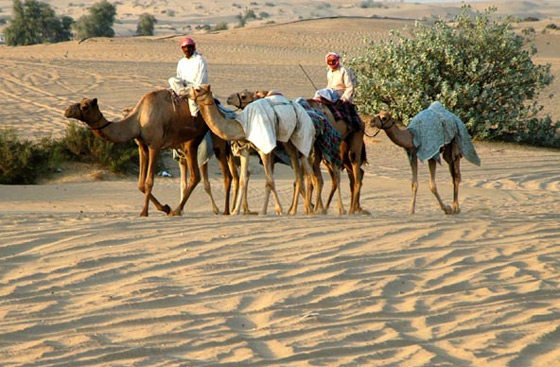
432,132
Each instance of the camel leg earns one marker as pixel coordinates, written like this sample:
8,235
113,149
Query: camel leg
190,148
222,154
433,188
310,179
270,186
317,182
207,188
235,177
144,154
244,159
334,185
414,168
452,156
355,157
293,153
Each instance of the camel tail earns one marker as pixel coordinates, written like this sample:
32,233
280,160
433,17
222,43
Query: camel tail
364,155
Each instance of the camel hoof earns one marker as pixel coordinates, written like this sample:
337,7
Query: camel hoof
143,214
166,208
174,213
364,212
448,210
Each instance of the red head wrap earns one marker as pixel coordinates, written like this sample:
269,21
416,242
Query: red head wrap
333,60
186,41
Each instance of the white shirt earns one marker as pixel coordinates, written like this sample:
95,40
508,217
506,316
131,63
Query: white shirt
342,82
193,70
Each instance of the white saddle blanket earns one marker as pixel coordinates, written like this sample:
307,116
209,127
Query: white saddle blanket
276,118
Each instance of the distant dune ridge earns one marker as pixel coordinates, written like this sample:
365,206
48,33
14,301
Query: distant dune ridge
85,282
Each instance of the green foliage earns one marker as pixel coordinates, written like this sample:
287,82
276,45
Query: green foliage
146,25
222,26
36,22
478,68
82,145
98,23
370,4
24,162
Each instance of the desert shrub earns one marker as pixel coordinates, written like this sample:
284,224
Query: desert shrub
528,31
23,161
370,4
82,145
264,15
551,26
99,21
530,19
36,22
145,25
478,68
222,26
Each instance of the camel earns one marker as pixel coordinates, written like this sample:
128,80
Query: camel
452,153
352,152
158,122
232,130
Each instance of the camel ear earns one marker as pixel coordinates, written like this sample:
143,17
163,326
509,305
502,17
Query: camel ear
94,102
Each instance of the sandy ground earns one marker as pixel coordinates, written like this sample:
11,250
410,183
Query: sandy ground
85,282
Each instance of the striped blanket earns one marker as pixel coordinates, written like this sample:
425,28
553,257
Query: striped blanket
326,136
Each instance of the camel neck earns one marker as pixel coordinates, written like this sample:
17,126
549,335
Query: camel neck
118,131
401,137
223,127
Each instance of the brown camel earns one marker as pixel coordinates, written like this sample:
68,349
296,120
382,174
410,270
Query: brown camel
352,151
157,122
232,130
451,152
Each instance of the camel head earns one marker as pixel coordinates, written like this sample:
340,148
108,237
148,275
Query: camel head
243,98
201,94
383,120
87,111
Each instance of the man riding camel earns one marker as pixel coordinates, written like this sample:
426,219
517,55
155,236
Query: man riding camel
191,70
339,92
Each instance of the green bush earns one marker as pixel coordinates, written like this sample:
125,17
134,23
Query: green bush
36,22
24,161
82,145
478,68
145,25
98,23
222,26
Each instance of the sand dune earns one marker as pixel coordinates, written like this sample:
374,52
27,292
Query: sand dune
85,282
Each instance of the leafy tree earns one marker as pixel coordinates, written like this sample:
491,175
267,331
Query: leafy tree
146,25
36,22
99,21
478,68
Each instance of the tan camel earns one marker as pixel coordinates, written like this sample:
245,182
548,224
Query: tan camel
232,130
352,151
451,152
158,122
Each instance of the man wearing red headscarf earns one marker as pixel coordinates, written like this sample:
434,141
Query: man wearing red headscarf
340,78
191,70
